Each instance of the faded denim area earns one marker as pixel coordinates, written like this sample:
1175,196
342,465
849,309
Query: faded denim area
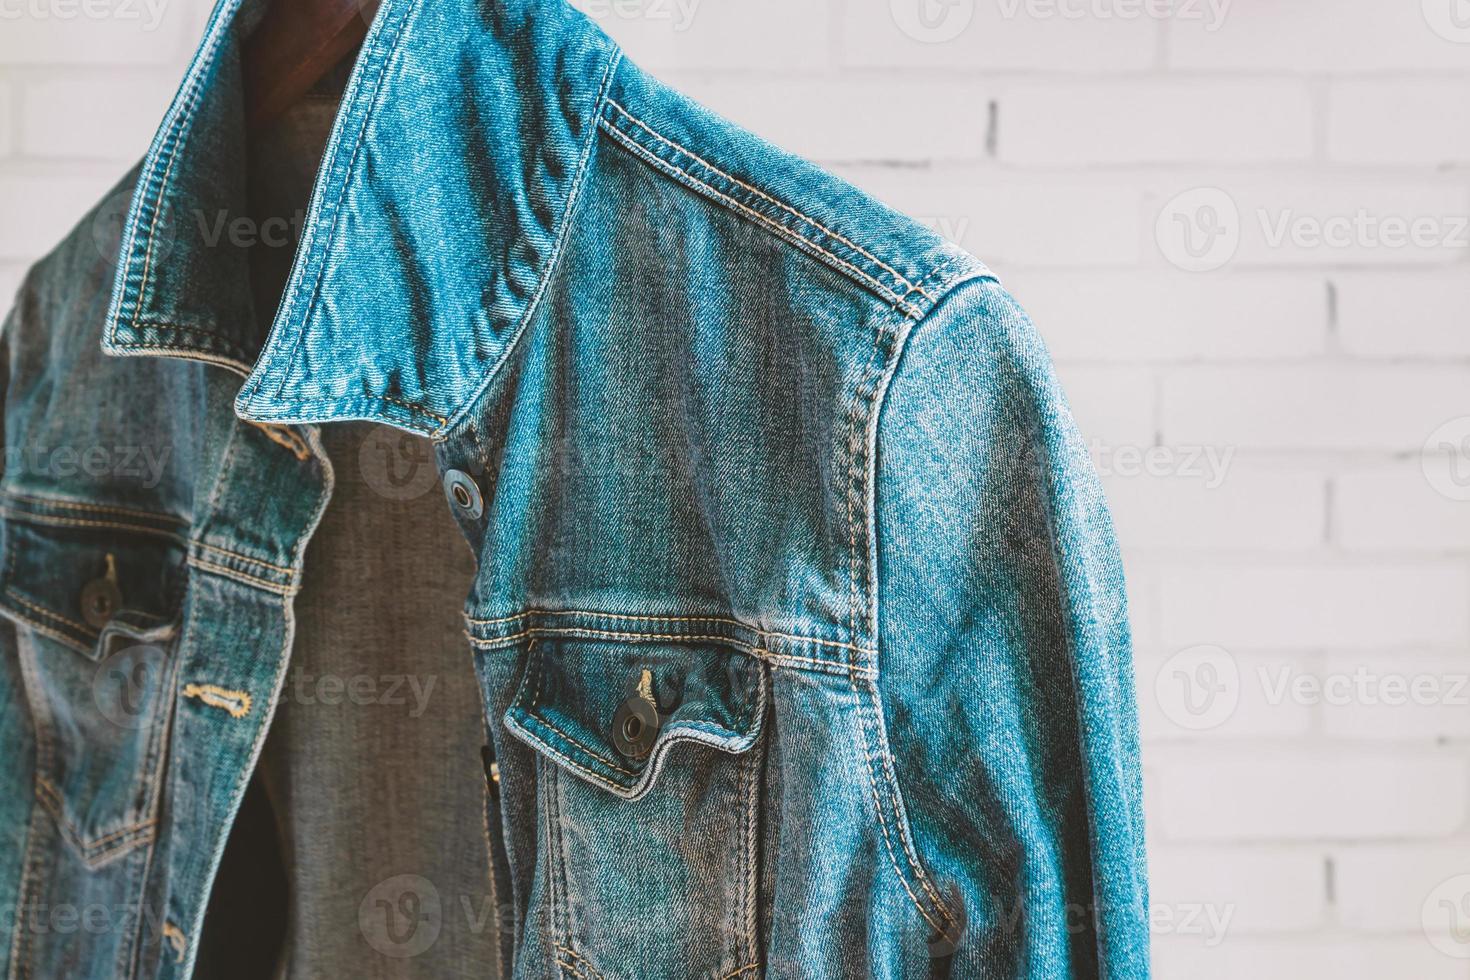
797,617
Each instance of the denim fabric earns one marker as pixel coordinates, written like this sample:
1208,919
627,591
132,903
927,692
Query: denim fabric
743,456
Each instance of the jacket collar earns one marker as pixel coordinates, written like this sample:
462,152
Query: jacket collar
438,209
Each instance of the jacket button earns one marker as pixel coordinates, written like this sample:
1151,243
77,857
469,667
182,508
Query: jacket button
464,494
635,726
101,598
636,723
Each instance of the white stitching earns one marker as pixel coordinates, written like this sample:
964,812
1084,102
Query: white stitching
97,508
794,637
836,666
265,584
244,557
904,281
49,520
601,779
869,706
656,161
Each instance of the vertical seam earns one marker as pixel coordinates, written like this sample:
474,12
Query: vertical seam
22,943
876,749
864,707
257,745
546,774
751,851
166,702
854,414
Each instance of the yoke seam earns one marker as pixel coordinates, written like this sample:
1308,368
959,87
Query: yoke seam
98,508
719,620
902,280
227,572
768,656
49,520
780,230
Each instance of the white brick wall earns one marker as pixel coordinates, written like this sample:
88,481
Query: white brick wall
1284,434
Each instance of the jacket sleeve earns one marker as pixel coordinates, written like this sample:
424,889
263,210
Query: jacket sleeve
1004,656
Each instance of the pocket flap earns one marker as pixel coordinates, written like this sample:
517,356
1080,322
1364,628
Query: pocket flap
610,711
73,583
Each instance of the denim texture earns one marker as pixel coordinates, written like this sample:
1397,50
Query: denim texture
746,451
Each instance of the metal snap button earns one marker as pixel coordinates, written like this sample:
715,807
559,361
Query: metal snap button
101,598
636,723
463,494
635,727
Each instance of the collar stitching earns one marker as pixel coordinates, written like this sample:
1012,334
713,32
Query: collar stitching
177,139
548,269
364,107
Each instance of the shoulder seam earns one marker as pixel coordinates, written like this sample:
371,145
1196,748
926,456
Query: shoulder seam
808,236
805,219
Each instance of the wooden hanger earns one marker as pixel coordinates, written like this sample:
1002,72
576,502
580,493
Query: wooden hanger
293,48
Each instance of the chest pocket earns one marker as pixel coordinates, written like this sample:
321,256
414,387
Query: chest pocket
649,801
94,605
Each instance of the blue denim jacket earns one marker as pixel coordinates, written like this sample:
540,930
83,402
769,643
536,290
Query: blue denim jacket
798,617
